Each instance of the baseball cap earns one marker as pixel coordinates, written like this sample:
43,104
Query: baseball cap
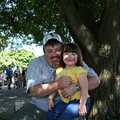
51,36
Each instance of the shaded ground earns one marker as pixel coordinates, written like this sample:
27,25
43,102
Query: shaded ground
12,100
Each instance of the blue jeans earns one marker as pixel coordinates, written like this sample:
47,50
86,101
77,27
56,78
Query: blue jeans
66,111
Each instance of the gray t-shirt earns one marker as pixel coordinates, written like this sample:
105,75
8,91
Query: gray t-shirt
39,72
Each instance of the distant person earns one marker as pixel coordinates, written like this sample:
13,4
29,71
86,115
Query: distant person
9,75
2,78
23,77
17,81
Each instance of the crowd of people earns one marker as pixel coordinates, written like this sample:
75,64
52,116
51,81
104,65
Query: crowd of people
13,78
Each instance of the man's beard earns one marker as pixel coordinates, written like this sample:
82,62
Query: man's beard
55,61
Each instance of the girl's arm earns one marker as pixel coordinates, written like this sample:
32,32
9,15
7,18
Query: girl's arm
50,100
83,82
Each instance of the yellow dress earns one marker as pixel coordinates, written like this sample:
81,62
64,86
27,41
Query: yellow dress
73,73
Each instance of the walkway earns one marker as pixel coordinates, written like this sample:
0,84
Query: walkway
12,100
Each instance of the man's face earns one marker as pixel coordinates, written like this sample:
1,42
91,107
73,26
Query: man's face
53,54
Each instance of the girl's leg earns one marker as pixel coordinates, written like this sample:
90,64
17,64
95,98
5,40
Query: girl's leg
71,111
56,111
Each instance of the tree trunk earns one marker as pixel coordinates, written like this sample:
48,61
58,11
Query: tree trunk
107,97
102,53
83,29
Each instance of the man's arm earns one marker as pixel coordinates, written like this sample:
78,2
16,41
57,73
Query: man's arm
93,82
93,79
42,90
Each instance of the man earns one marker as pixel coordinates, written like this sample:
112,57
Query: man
40,80
9,75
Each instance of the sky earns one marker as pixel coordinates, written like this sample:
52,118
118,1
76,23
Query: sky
37,50
17,45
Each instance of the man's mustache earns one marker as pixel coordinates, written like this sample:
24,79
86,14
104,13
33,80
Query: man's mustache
55,57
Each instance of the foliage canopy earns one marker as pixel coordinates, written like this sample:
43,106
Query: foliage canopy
31,19
15,58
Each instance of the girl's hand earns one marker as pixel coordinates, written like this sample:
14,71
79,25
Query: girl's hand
82,110
50,104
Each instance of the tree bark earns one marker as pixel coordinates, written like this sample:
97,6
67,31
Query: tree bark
107,97
76,22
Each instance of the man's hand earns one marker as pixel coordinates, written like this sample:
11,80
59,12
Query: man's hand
64,82
69,91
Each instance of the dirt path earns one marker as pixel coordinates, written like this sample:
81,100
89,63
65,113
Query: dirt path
11,100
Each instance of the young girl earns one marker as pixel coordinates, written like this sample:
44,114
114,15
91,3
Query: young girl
79,103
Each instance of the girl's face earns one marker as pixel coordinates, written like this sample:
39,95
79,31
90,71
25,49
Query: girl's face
70,59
